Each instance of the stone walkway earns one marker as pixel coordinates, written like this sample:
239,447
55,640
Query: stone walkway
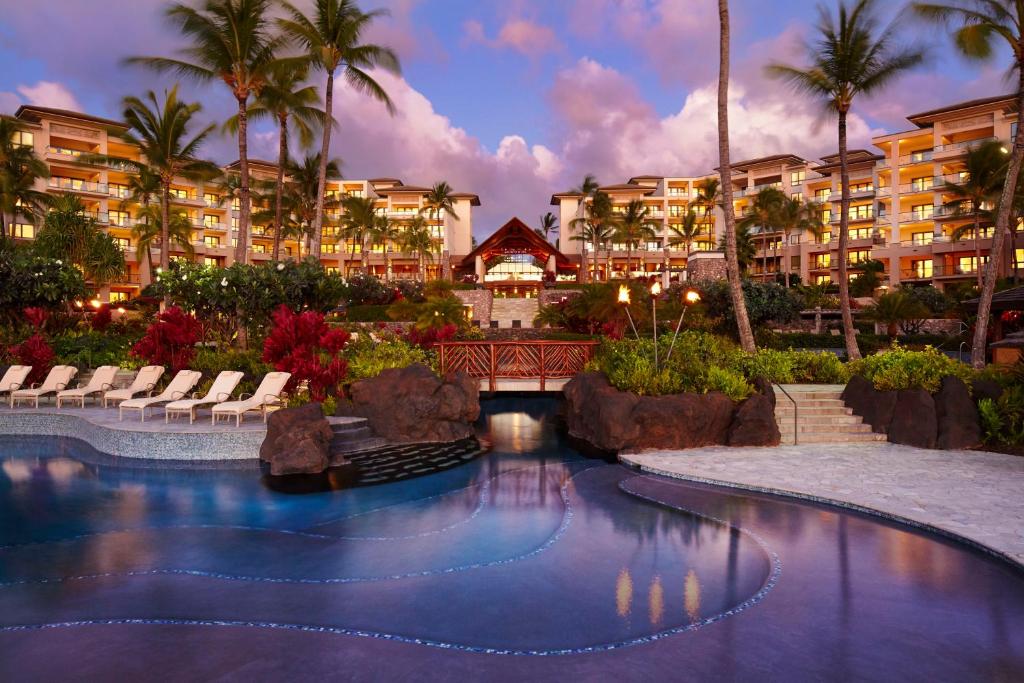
976,495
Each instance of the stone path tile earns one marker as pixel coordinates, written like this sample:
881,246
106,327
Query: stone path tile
974,494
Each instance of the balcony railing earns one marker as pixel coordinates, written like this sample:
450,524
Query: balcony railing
916,158
76,185
925,185
65,151
961,146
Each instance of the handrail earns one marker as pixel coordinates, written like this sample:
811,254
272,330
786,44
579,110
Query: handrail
796,413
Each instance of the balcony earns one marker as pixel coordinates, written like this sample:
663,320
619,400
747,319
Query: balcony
220,227
855,218
958,147
921,157
916,216
925,185
79,186
837,195
65,153
917,273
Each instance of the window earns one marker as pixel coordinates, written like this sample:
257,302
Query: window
652,246
922,211
866,186
822,280
119,218
969,264
922,237
825,238
118,190
211,199
25,231
234,224
860,233
857,256
822,195
179,193
796,178
798,196
985,232
826,216
211,241
118,297
677,192
921,268
22,138
259,230
863,212
211,221
333,270
334,249
920,155
259,249
123,242
925,183
822,261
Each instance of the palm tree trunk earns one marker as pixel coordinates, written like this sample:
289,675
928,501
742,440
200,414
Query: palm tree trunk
354,241
325,148
165,218
594,274
387,260
785,256
849,331
746,334
364,258
245,208
282,159
979,347
977,247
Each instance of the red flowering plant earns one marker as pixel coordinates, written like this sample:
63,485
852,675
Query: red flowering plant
171,340
35,350
427,338
101,319
306,346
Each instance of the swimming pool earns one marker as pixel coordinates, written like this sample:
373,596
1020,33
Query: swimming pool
529,562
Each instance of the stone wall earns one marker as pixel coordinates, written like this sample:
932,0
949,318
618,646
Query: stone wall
930,326
553,296
705,266
481,300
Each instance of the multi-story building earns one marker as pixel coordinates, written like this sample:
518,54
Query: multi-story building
62,138
900,208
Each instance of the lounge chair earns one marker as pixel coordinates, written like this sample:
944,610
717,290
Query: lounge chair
179,387
57,380
267,394
14,378
102,380
145,381
220,392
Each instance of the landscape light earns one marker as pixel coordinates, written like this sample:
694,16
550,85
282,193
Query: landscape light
691,297
655,292
95,303
626,301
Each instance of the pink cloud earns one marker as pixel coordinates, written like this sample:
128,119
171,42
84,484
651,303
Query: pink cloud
520,35
49,94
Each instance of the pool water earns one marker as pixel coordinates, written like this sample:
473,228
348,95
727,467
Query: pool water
531,561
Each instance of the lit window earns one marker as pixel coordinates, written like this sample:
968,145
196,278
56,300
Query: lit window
796,178
117,297
22,138
970,264
25,231
211,241
922,237
921,269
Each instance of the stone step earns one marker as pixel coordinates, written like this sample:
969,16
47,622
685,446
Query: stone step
838,424
809,396
357,445
813,410
855,428
341,425
357,434
829,437
812,403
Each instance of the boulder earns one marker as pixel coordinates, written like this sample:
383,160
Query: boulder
298,441
874,406
414,405
766,388
755,423
614,420
913,419
982,387
957,416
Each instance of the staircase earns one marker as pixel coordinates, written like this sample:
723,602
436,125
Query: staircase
352,435
513,312
821,415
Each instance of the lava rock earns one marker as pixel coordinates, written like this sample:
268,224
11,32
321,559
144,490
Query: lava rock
874,406
755,423
298,441
913,419
982,387
414,405
957,416
614,420
766,388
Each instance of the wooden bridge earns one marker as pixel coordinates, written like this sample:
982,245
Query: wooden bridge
517,365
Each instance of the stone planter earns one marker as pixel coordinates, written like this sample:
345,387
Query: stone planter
613,420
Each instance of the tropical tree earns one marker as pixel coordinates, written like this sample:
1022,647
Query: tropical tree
301,196
548,224
634,227
357,224
589,186
979,190
686,232
293,108
439,198
596,226
896,308
387,233
746,248
851,55
232,42
978,26
332,40
143,190
19,170
416,239
797,216
732,269
70,235
764,215
151,229
160,131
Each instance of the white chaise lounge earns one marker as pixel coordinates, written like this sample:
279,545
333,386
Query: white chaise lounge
14,378
145,381
57,380
267,394
179,387
102,380
219,392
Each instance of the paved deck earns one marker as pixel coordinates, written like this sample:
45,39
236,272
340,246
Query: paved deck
971,494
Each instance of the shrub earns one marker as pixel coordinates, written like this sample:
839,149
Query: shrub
899,368
814,367
36,352
1002,420
367,313
91,349
304,345
766,302
367,358
101,319
898,311
362,289
729,382
171,340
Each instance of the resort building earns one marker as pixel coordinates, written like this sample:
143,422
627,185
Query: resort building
900,210
61,138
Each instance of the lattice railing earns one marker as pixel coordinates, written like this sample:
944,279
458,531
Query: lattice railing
521,360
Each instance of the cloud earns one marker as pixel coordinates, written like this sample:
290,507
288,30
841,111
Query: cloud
519,35
49,94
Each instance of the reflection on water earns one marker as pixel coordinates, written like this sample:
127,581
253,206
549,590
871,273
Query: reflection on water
530,547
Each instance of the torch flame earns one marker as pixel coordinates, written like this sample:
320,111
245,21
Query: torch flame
692,297
656,289
624,295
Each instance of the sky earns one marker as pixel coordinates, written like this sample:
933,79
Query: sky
511,99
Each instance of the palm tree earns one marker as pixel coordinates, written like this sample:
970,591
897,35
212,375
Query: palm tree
69,234
285,100
633,228
440,198
416,239
300,195
732,268
357,224
332,39
230,42
764,215
143,188
19,170
686,232
386,233
894,308
548,224
982,23
797,216
589,185
151,229
597,223
985,174
852,56
746,248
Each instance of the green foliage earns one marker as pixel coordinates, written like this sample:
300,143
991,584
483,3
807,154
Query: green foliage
727,381
35,281
211,362
991,421
362,290
766,301
367,358
1002,420
788,367
869,280
899,368
368,313
329,405
935,300
91,349
434,313
898,310
70,235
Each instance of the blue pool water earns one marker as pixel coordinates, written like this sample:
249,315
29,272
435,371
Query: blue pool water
529,562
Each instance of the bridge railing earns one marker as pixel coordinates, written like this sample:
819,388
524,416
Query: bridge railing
521,360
